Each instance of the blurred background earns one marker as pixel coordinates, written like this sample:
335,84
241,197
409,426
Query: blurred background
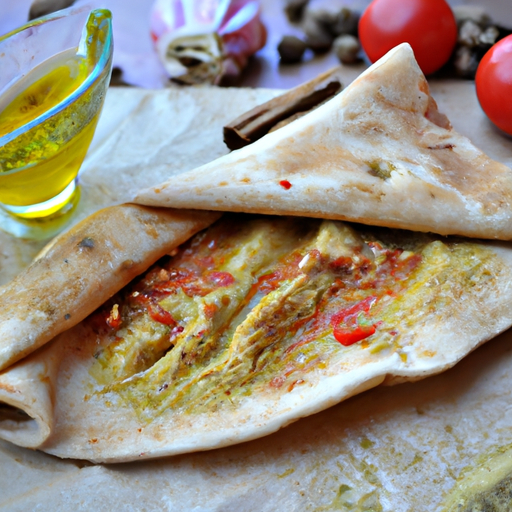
135,54
268,72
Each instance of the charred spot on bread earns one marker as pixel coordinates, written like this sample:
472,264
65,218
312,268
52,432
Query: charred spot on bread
86,243
127,264
442,146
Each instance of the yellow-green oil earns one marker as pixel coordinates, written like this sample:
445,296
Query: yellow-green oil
50,159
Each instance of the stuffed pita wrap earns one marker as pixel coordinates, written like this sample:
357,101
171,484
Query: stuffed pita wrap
249,326
244,328
378,153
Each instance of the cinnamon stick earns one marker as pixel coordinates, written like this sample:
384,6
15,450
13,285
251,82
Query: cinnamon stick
282,110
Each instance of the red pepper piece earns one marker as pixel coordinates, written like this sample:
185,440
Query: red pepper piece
221,279
285,184
210,310
350,336
159,314
346,328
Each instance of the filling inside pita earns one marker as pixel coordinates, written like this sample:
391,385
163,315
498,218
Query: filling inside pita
258,303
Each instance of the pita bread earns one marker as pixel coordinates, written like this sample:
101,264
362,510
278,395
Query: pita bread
148,390
378,153
83,268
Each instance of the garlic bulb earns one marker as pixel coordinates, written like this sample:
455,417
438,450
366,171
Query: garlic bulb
200,41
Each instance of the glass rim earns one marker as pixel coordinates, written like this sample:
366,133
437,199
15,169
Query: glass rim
102,65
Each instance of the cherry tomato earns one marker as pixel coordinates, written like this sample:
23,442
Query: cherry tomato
429,26
494,84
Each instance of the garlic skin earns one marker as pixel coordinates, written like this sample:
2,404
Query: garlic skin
201,41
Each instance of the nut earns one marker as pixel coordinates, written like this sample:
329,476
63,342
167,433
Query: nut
291,49
346,48
489,36
346,22
334,16
294,9
469,33
465,62
318,36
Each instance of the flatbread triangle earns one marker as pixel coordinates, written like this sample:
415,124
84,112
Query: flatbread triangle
378,153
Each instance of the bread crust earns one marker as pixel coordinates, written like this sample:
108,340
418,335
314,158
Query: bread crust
378,153
82,268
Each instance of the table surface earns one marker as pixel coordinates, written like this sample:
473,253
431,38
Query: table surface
266,71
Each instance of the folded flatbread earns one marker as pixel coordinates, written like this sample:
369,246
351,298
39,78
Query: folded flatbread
379,153
250,325
84,267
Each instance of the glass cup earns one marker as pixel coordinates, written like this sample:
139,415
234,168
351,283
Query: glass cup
54,76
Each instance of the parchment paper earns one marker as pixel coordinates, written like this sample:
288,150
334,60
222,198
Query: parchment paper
389,449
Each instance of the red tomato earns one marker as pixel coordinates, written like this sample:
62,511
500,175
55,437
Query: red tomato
494,84
427,25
